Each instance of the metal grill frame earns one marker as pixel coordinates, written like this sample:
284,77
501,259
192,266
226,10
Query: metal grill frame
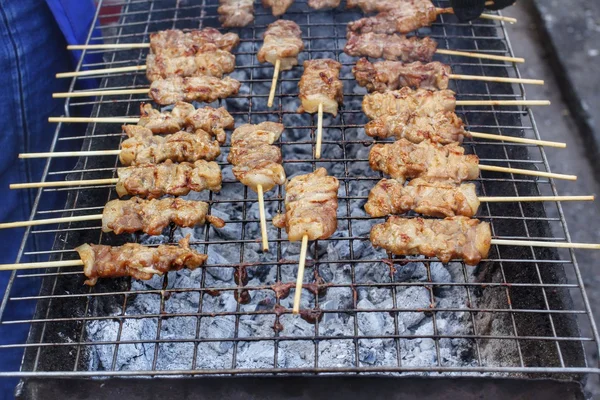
535,260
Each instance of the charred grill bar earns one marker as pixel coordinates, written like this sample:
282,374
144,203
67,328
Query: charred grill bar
364,310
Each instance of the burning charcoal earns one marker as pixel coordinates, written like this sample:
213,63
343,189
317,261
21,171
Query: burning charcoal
369,323
224,274
256,355
296,354
412,297
336,353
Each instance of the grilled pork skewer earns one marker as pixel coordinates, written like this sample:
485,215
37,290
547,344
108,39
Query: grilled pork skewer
152,180
404,160
447,239
182,117
173,42
438,198
143,147
407,101
278,7
405,16
311,204
136,260
321,91
169,91
236,13
380,236
434,199
257,163
209,60
391,75
139,215
443,127
174,52
400,48
282,44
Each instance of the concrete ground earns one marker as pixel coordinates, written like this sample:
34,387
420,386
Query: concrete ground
555,123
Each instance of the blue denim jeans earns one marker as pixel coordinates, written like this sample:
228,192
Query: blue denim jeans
32,51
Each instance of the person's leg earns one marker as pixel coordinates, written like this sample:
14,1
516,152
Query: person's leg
32,51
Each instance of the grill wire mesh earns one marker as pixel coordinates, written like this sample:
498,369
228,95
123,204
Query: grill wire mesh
512,314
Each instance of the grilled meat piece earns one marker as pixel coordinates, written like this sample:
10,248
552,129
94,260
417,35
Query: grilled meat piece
391,47
444,128
321,4
391,75
153,216
256,161
278,7
176,43
447,239
200,88
137,261
155,180
404,160
320,83
409,16
143,147
283,42
164,122
408,102
371,6
310,206
209,61
236,13
434,199
184,117
211,120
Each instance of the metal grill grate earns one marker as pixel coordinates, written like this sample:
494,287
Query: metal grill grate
514,310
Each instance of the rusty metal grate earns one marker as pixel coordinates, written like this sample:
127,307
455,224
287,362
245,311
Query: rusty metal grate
511,315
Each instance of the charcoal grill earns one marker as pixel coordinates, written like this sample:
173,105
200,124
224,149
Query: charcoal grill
510,317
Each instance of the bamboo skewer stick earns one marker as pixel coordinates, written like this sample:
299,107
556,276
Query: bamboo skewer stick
43,264
297,294
513,139
519,199
109,181
493,17
89,72
92,93
496,79
510,20
440,51
502,102
86,120
499,199
108,46
263,219
49,221
300,277
539,243
274,83
518,171
319,131
480,55
71,154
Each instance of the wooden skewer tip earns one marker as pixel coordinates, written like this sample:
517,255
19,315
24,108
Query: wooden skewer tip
319,131
274,83
263,218
300,277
